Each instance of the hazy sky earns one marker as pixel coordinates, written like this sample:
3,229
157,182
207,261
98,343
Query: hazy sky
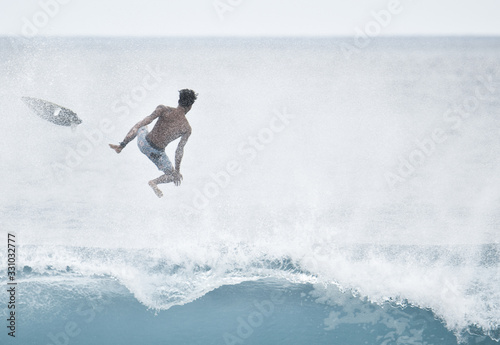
249,17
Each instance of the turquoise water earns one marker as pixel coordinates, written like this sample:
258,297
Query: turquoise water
260,312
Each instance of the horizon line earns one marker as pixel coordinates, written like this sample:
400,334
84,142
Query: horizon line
255,36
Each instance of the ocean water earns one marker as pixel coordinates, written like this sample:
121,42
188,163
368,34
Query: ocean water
332,194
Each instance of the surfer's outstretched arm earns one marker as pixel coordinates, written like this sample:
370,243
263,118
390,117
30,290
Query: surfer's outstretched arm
133,132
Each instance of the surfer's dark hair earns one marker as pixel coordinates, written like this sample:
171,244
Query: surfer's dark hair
187,97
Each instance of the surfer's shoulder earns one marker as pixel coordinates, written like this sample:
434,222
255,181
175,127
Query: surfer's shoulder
162,108
161,111
187,128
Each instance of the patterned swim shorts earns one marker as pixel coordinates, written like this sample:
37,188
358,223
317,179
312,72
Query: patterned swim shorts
159,157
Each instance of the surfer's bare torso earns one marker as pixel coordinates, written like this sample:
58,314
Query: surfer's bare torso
171,125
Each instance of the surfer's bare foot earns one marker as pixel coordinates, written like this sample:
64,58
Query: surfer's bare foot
117,148
157,190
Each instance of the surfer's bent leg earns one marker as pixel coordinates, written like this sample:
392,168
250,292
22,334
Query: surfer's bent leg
159,158
163,164
165,178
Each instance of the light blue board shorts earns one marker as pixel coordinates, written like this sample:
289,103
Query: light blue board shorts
159,157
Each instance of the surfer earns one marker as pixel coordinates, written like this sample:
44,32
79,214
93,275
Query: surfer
171,125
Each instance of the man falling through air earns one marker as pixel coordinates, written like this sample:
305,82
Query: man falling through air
171,124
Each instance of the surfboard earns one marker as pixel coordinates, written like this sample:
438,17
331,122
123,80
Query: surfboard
52,112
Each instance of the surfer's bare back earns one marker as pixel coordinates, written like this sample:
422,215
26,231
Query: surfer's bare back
171,125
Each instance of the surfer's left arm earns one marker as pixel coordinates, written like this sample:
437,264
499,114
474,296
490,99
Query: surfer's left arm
179,153
133,132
